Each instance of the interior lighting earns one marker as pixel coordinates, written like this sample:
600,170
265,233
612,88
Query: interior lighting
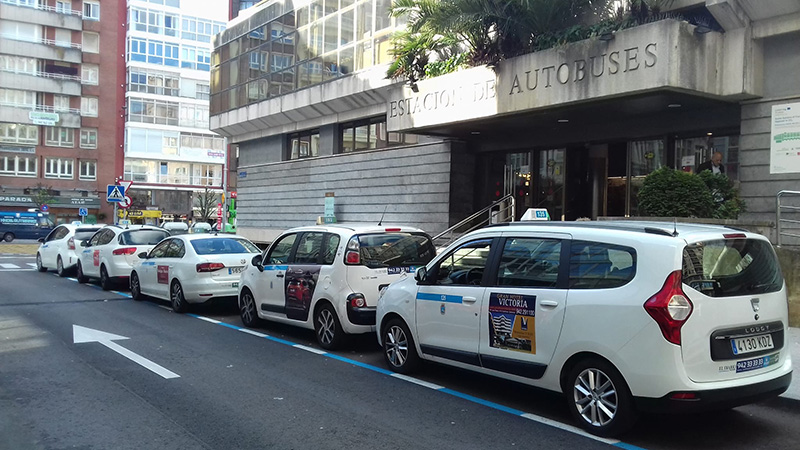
674,105
563,120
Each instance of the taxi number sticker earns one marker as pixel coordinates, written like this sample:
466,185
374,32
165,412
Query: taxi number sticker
757,363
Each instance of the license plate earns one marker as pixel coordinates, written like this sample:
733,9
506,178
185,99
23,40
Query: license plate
751,344
233,270
235,284
757,363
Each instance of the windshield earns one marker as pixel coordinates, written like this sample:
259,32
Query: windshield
732,267
142,237
395,249
217,246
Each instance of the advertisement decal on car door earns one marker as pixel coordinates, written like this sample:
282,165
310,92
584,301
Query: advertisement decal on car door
299,290
512,322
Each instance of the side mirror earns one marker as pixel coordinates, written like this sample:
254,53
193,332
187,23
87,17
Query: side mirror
421,274
142,255
256,262
40,240
85,243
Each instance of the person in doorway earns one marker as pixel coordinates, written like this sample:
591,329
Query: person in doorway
714,164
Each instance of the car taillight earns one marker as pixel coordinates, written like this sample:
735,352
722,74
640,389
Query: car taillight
71,243
352,257
209,267
670,308
391,230
357,300
124,251
353,253
735,236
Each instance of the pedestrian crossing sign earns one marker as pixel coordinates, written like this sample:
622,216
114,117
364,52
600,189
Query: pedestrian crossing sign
115,193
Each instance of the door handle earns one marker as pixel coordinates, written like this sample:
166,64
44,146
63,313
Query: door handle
280,275
468,299
548,303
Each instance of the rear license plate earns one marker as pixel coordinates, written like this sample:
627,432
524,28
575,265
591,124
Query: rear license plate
233,270
235,284
751,344
757,363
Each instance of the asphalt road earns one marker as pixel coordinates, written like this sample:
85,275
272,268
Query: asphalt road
273,388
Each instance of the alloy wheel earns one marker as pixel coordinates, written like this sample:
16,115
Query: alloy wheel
396,346
595,397
248,309
327,326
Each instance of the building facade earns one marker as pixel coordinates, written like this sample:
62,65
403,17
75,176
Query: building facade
574,129
60,105
170,155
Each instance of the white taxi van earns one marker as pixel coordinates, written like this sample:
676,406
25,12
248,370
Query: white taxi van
328,278
618,316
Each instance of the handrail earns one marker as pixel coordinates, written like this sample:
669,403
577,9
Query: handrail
506,212
51,42
56,9
779,221
38,73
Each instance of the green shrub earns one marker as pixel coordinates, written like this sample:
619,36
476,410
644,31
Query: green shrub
673,193
727,204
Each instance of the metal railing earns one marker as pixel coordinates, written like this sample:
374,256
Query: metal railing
779,221
502,210
56,9
52,42
38,73
44,108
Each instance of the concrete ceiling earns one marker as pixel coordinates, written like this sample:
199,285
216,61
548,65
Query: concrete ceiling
756,9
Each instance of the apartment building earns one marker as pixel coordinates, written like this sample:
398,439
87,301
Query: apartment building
61,105
170,154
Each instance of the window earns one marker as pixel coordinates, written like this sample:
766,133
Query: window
137,49
89,73
203,91
64,6
58,168
153,83
206,174
279,253
170,25
304,145
528,262
371,133
171,54
91,42
18,64
17,98
18,166
594,265
60,103
202,141
153,111
464,265
17,133
331,245
60,137
88,170
91,10
88,138
194,116
89,106
308,249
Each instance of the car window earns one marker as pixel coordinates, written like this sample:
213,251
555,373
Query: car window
84,233
529,262
142,237
308,249
160,250
105,237
597,265
732,267
56,234
331,246
279,254
395,249
96,237
464,265
175,249
223,245
62,232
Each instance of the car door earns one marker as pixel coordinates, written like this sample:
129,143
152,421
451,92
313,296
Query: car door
90,256
149,270
523,307
165,268
102,253
448,302
301,276
50,246
270,285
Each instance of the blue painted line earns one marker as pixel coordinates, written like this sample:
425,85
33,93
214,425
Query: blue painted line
627,446
483,402
358,363
230,326
440,297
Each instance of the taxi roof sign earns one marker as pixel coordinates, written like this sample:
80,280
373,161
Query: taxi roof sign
536,214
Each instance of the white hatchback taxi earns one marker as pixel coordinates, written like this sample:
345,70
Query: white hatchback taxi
58,248
110,253
328,278
191,268
618,316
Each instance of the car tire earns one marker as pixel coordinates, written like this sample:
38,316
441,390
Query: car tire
176,297
136,287
248,309
80,276
8,237
327,327
399,349
105,280
39,265
599,399
60,270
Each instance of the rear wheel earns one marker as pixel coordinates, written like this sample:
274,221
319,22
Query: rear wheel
599,399
8,237
326,325
248,309
398,347
80,276
39,265
62,272
179,304
136,287
105,281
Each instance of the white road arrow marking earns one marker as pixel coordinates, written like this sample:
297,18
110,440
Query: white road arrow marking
81,335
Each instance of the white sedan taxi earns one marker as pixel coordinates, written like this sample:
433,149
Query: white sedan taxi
58,248
192,268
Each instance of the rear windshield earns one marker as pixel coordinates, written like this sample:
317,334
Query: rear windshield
732,267
396,249
219,246
142,237
84,233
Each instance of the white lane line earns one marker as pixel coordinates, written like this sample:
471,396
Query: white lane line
17,270
570,428
310,349
433,386
207,319
32,264
254,333
165,307
9,266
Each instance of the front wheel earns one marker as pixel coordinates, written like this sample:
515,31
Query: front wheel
248,309
599,399
39,265
398,347
105,280
62,272
8,237
136,287
327,327
179,304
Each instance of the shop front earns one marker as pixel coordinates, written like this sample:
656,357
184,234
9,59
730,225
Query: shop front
61,208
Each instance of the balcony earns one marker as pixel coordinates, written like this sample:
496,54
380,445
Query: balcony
52,83
16,113
11,44
41,15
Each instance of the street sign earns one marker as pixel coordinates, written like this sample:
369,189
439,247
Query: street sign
125,203
83,212
44,208
115,193
233,194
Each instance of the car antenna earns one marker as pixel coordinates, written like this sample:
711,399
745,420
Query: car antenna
380,222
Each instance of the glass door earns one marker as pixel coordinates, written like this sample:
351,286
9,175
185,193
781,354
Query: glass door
549,183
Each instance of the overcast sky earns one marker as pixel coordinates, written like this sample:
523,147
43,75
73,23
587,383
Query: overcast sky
209,9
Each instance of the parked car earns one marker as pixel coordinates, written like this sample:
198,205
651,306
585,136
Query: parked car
327,278
57,249
200,227
620,316
110,253
24,225
190,269
175,228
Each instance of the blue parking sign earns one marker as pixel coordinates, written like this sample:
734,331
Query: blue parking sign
83,212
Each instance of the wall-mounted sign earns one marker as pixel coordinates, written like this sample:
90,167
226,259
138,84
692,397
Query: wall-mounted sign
43,118
785,139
